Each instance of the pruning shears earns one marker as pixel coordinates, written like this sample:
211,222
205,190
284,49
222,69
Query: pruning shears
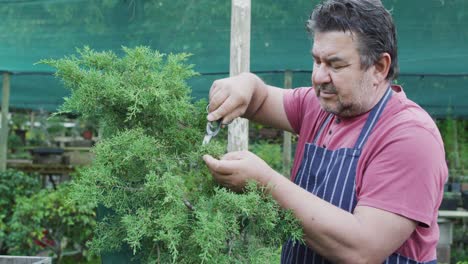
212,129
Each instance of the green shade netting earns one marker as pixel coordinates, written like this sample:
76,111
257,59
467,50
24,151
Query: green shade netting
432,35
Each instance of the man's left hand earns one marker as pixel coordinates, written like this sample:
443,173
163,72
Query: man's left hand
234,169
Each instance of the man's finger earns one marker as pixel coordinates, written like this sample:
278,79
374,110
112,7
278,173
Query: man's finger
226,167
212,163
217,100
214,89
233,115
235,155
226,107
219,177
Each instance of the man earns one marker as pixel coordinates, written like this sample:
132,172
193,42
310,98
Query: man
369,168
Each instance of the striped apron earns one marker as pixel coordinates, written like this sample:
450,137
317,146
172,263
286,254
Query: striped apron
330,175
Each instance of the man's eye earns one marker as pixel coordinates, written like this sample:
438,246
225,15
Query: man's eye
337,67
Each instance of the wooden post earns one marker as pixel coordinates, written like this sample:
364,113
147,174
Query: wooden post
455,144
4,123
238,131
287,135
31,121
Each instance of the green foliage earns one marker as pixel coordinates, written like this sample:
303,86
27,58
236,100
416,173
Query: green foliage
455,136
459,250
47,220
152,189
14,141
13,185
270,153
141,90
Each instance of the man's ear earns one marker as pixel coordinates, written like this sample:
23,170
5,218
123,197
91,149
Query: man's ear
382,66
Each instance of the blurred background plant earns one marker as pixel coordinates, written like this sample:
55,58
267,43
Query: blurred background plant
14,185
47,221
271,153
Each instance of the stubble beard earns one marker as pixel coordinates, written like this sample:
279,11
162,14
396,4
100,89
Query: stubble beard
345,108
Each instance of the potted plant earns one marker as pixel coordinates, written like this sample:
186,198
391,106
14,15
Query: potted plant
158,201
48,221
14,185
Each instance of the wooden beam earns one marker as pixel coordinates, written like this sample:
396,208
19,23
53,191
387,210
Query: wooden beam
238,130
453,214
286,134
4,123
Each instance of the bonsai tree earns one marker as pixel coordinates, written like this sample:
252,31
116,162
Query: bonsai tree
148,178
47,221
14,185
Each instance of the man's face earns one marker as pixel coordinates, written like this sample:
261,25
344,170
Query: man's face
342,87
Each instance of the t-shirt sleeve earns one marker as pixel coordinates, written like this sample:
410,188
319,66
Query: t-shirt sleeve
405,175
298,103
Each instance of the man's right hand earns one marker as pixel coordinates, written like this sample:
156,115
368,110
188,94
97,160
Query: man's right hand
246,95
230,97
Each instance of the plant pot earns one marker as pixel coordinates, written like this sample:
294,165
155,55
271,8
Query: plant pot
84,143
464,186
122,256
449,203
446,187
465,199
455,187
79,157
47,155
87,134
21,133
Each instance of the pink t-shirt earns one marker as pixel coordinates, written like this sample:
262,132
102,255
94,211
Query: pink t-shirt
402,167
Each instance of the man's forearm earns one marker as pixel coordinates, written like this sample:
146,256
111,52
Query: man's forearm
266,106
330,231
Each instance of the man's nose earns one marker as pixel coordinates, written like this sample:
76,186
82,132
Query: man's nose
320,75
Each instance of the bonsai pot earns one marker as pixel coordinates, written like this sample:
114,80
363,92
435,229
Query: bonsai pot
464,195
46,155
450,201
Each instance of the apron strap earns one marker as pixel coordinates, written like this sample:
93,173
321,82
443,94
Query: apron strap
373,118
322,127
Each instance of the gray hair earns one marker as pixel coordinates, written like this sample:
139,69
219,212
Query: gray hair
368,19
